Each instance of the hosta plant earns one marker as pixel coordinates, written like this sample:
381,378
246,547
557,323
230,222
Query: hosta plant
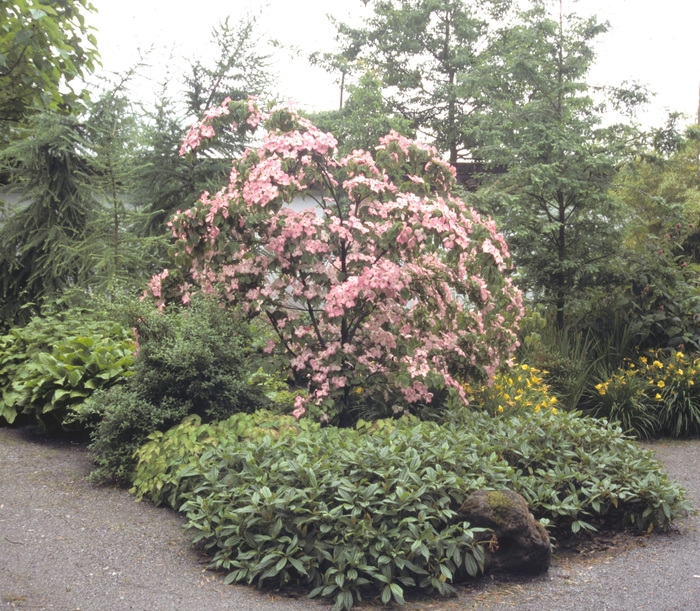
50,365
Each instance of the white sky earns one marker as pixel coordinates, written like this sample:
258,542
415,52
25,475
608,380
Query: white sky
655,43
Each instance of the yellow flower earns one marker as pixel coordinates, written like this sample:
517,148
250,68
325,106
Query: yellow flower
553,400
679,372
679,355
661,384
358,390
691,383
500,409
658,364
658,397
643,359
524,367
554,411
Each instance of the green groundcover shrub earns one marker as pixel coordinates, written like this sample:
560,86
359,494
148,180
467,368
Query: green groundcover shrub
51,365
346,511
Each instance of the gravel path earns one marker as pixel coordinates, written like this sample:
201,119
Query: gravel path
66,545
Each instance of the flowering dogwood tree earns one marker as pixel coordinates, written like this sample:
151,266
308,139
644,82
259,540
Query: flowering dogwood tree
387,291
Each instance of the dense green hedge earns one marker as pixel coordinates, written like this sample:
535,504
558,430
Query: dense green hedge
197,360
349,511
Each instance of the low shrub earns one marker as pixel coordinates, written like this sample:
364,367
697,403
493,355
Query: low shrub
346,510
193,360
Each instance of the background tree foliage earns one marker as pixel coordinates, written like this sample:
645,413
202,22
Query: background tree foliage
98,185
542,123
44,47
165,182
364,118
40,240
428,54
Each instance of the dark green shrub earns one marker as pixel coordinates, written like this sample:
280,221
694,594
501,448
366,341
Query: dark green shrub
344,510
656,292
191,361
123,420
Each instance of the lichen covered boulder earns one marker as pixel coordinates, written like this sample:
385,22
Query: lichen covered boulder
518,544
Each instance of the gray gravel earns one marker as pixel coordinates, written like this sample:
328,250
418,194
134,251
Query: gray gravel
67,545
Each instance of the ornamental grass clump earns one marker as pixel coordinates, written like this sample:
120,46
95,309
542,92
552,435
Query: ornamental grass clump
625,397
674,388
373,510
386,282
651,396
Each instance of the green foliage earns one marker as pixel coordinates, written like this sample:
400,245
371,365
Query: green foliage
43,47
544,126
165,456
52,384
429,56
655,291
661,187
38,242
49,366
122,419
299,505
567,355
364,118
75,225
191,361
119,257
346,511
574,470
623,396
650,396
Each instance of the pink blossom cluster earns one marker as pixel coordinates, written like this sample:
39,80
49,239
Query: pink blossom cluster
389,290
